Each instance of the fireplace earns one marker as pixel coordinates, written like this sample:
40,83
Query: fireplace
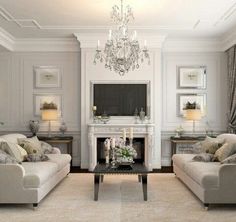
138,144
144,141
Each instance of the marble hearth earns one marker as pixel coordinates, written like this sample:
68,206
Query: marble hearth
145,131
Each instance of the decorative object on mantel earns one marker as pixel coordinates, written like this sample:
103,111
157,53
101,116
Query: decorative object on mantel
105,118
63,128
142,115
34,127
193,112
178,131
94,110
49,113
122,50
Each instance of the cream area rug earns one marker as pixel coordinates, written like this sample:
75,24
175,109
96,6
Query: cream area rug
120,200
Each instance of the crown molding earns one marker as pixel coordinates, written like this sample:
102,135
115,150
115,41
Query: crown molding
49,45
193,45
6,40
88,40
229,39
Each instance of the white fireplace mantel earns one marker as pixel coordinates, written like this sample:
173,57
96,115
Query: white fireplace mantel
145,131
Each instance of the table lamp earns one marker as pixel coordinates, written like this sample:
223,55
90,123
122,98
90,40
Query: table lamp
49,115
194,115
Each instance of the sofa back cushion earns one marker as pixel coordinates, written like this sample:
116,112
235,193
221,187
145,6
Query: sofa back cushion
229,138
12,137
6,158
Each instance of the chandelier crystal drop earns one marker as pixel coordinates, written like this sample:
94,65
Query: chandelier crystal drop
122,51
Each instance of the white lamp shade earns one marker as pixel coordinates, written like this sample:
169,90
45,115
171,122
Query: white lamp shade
193,114
49,114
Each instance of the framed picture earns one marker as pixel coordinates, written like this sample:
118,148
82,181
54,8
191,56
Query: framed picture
47,77
40,99
183,99
191,77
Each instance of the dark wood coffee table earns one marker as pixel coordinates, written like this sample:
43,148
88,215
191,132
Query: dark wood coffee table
102,169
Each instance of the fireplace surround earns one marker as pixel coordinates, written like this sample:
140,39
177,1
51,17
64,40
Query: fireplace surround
97,132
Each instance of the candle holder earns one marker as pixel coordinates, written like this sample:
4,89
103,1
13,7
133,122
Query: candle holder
131,141
113,161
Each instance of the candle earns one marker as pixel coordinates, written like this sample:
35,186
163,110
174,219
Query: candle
94,108
110,34
124,31
131,133
135,35
124,134
108,144
98,45
107,159
145,44
113,143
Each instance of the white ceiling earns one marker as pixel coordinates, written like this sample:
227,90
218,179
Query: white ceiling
62,18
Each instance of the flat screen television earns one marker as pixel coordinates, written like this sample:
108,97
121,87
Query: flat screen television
119,99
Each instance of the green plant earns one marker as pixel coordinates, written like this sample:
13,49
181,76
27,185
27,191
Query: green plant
49,106
193,105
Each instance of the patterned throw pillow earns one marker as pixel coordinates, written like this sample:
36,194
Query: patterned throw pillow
230,159
31,145
12,150
203,157
210,145
6,158
46,148
225,151
37,157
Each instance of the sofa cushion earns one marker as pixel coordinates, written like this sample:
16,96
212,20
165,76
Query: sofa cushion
211,145
225,151
37,173
229,138
31,145
205,174
203,157
6,158
60,159
12,137
181,159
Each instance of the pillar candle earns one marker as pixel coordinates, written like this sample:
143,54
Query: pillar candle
124,134
107,159
131,132
94,108
113,143
108,144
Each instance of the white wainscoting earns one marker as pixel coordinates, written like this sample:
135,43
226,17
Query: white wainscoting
17,92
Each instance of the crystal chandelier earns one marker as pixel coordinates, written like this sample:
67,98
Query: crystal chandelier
122,50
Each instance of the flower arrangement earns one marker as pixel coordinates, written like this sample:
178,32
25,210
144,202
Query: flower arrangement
125,154
48,106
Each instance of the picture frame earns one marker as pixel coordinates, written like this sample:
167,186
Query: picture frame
183,98
191,77
39,99
47,77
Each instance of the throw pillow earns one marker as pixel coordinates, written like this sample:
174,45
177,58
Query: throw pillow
46,148
230,159
225,151
31,145
22,152
198,148
210,145
6,158
12,149
203,157
37,157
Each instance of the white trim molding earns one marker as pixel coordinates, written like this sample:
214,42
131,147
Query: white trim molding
89,40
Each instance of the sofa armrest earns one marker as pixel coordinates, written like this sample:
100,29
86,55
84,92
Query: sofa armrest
56,150
11,175
227,176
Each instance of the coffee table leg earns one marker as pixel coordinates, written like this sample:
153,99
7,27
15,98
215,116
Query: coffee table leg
102,178
139,178
144,183
96,186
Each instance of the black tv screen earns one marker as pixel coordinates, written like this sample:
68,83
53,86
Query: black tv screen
120,99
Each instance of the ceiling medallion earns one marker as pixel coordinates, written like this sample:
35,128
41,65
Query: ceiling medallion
122,51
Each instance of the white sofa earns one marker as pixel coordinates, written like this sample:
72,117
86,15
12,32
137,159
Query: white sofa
30,182
211,182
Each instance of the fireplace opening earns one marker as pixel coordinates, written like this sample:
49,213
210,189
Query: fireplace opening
138,144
